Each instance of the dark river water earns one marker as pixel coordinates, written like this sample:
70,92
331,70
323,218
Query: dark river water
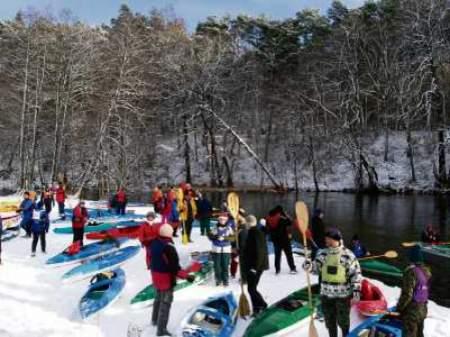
382,221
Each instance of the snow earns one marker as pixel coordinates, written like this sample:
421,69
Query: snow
34,302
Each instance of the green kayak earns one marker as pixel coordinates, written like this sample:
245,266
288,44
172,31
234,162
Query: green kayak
436,254
87,229
147,295
377,267
284,316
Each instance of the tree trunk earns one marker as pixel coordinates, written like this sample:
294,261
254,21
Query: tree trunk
229,172
410,153
313,163
22,121
187,157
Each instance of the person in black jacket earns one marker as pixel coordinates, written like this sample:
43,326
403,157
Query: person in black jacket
256,262
318,232
278,224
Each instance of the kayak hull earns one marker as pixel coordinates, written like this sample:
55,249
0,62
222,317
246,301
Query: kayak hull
102,294
128,232
380,325
98,227
436,254
376,267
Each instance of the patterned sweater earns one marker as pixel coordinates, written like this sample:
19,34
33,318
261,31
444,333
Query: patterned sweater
352,271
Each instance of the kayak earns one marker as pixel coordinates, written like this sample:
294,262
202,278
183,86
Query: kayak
147,295
10,234
9,206
372,300
436,254
128,232
102,263
284,316
381,268
216,317
10,221
96,227
90,251
102,292
381,325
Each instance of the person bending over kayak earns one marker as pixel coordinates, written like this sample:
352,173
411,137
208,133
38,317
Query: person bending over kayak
165,269
341,279
357,247
412,304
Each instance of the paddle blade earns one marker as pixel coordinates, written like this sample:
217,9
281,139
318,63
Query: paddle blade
391,254
244,306
312,329
301,211
409,244
233,204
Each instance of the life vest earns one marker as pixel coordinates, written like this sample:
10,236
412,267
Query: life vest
332,270
422,289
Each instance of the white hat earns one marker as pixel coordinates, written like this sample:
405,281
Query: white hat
166,231
262,222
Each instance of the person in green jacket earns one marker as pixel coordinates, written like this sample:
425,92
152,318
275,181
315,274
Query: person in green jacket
412,304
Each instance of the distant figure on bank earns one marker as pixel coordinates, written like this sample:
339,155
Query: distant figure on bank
317,231
278,225
79,219
412,304
357,247
60,197
26,209
204,213
120,201
429,235
40,228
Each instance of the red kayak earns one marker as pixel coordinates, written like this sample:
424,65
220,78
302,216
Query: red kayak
129,232
372,300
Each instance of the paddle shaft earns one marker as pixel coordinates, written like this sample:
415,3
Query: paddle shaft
374,257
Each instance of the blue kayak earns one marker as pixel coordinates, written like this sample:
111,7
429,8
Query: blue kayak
381,325
216,317
88,252
104,289
105,262
92,227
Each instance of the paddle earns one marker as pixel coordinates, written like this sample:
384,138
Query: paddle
301,212
233,206
390,254
412,244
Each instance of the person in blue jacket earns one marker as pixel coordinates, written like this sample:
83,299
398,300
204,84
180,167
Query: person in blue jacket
40,228
26,208
357,247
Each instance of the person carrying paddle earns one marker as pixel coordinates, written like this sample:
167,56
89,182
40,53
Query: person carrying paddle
165,270
26,208
255,261
341,279
221,238
40,228
278,224
79,219
412,304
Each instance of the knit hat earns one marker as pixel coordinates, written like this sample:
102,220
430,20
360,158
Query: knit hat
166,231
251,221
415,254
334,233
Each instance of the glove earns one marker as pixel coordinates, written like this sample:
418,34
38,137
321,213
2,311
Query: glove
307,265
190,278
356,295
253,271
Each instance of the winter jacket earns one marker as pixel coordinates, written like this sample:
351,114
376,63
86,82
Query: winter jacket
80,217
60,195
358,249
121,197
27,207
406,300
148,233
278,227
256,256
204,209
318,231
165,265
174,216
42,224
157,200
221,238
184,212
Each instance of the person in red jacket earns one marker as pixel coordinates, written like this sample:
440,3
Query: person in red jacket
60,197
157,199
165,269
148,231
120,201
79,219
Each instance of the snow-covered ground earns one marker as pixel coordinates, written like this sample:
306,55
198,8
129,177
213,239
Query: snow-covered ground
35,303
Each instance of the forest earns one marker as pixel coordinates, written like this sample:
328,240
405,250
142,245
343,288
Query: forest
283,101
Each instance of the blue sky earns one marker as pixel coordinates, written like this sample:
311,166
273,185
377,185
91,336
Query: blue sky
193,11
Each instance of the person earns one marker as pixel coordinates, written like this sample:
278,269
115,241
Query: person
1,233
165,269
278,225
40,228
357,247
79,220
255,261
204,213
221,238
148,232
187,214
120,203
174,216
60,197
340,281
412,304
26,208
237,248
317,232
157,199
429,235
46,199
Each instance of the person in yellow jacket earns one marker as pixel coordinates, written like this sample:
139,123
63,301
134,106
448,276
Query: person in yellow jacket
188,212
